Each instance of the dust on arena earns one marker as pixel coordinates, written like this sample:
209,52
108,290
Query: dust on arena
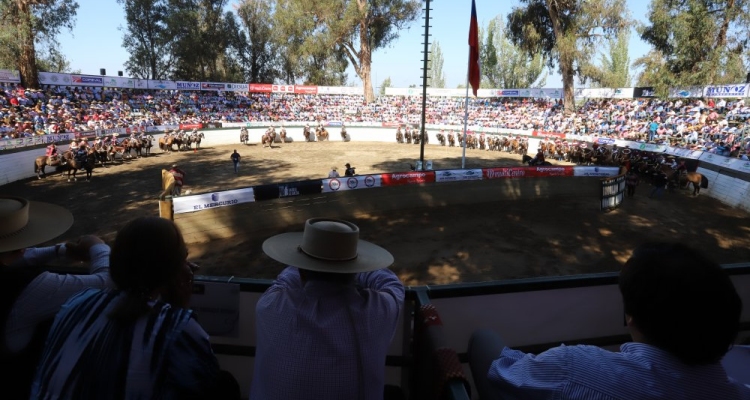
431,245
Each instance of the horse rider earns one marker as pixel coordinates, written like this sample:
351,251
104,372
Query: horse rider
349,170
179,179
539,159
73,146
673,165
51,153
81,154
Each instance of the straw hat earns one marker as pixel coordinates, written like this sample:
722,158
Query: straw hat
327,245
26,223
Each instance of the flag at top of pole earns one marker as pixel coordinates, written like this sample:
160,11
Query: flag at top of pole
474,74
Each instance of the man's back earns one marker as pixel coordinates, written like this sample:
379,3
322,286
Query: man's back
638,371
325,340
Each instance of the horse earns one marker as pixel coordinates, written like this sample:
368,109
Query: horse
345,136
441,139
147,143
407,135
527,159
73,165
165,143
100,152
309,137
282,135
697,179
41,162
321,134
267,138
399,136
244,136
451,140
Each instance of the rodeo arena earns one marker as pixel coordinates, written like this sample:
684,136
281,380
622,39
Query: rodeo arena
521,225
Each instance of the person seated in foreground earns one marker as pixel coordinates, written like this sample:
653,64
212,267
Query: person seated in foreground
683,314
349,170
30,296
138,340
324,327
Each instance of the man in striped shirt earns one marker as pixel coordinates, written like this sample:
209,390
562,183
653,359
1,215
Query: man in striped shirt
179,179
683,314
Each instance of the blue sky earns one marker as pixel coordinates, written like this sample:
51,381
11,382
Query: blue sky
96,40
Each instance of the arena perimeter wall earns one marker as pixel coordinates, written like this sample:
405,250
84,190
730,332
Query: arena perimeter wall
225,222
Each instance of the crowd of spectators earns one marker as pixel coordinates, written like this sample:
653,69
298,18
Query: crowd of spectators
713,125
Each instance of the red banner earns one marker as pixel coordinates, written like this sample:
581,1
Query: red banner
191,126
391,124
526,172
259,87
282,88
407,178
301,89
548,134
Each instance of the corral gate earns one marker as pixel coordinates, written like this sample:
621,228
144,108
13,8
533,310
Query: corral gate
613,192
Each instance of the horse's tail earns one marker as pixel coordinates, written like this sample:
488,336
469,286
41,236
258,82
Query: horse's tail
704,182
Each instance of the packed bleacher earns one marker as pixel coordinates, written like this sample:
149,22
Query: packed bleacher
714,125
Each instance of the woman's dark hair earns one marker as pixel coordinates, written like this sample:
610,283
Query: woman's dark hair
681,302
148,254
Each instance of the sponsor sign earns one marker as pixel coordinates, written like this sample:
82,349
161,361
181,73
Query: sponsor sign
51,78
454,175
623,93
407,178
259,87
212,86
86,80
334,123
351,183
688,92
547,134
603,140
596,171
186,204
10,75
594,93
391,124
140,83
161,84
292,189
737,90
526,172
644,92
235,87
191,126
118,82
684,153
302,89
282,88
509,93
184,85
6,144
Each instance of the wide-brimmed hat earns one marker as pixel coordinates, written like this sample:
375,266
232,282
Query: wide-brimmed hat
327,245
26,223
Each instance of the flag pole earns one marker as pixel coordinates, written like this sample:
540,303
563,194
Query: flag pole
466,117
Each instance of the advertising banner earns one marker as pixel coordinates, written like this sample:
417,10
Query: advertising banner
594,93
455,175
351,183
687,92
236,87
301,188
644,92
185,204
259,87
734,91
118,82
184,85
86,80
140,83
526,172
624,93
282,88
303,89
548,134
349,90
161,84
10,75
191,126
407,178
51,78
212,86
684,153
546,93
596,171
391,124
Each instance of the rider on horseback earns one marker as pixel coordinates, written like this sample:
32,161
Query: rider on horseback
539,159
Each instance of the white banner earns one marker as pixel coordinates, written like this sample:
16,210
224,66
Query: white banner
596,171
351,183
236,87
733,91
119,82
10,75
687,92
184,85
161,84
454,175
51,78
594,93
140,83
624,93
6,144
186,204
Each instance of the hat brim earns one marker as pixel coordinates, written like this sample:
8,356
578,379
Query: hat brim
46,222
284,248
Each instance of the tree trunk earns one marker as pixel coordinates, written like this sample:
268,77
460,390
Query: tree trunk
365,61
27,58
565,55
567,72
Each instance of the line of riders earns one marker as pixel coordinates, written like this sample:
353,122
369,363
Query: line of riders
270,136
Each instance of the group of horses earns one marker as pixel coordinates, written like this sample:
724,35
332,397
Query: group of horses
184,141
410,136
270,136
513,145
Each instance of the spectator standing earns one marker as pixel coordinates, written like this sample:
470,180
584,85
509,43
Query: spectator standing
323,328
179,179
29,295
678,340
236,161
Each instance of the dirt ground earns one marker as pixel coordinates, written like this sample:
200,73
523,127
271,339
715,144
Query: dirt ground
494,241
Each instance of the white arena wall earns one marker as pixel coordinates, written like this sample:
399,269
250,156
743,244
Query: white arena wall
20,165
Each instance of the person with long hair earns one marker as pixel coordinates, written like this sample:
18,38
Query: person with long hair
138,340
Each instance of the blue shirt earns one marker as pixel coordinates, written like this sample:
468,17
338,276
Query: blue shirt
638,371
318,340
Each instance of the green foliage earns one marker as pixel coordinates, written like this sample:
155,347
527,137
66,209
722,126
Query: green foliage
146,38
255,46
695,42
351,29
613,70
386,84
566,33
435,75
505,65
